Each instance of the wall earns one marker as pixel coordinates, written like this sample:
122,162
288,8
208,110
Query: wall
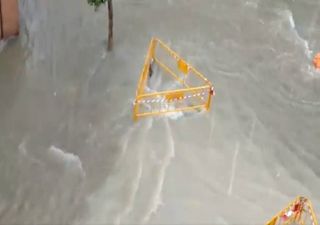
9,18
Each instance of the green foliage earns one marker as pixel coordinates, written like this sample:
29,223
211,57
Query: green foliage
96,3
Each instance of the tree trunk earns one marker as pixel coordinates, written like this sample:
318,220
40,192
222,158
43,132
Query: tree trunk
110,27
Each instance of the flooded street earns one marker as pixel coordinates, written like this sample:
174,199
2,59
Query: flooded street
71,154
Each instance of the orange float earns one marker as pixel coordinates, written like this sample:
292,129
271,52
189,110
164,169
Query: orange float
316,61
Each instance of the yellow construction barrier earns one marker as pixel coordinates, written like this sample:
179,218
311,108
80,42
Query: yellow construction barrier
298,212
194,91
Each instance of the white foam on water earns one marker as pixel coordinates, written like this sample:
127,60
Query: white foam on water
313,103
252,130
22,148
167,106
2,45
125,141
311,71
137,179
155,199
233,169
23,151
98,63
104,54
174,115
116,199
70,160
135,187
291,20
252,4
287,17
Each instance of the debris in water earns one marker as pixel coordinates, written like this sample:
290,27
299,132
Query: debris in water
316,61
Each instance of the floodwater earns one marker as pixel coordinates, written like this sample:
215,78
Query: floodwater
70,153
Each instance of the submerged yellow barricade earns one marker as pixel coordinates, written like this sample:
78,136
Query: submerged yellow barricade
194,91
298,212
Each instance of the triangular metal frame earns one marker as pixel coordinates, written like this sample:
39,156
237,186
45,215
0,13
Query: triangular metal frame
178,94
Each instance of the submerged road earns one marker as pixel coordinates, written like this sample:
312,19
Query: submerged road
70,153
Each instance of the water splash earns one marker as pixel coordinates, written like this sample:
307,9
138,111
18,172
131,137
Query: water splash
156,200
287,18
70,160
233,169
134,191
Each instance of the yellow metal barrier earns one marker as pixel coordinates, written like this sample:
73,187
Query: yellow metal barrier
194,92
298,212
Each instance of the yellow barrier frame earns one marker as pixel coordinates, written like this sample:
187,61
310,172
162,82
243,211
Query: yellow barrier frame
306,207
183,67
